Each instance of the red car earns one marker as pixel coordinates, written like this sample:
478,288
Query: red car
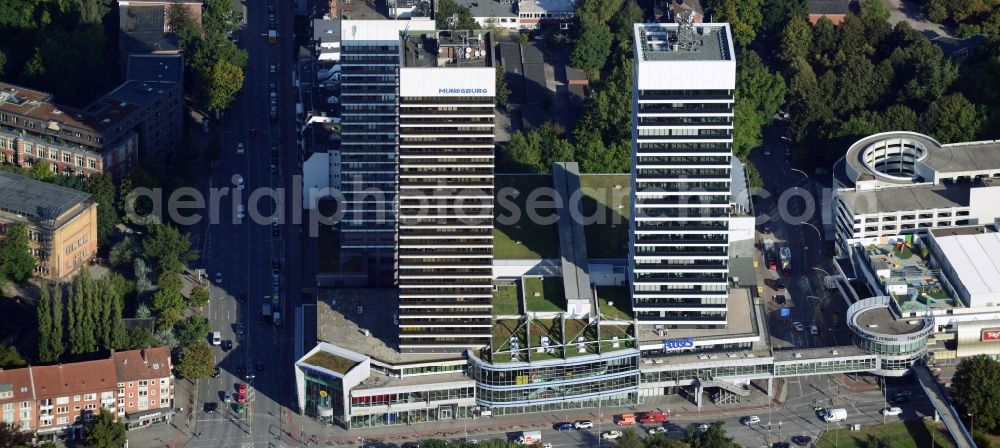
652,417
253,132
241,393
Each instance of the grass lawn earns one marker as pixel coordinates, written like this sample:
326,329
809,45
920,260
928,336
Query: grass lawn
608,207
621,307
544,327
550,295
506,300
536,241
576,328
331,362
503,330
608,332
898,435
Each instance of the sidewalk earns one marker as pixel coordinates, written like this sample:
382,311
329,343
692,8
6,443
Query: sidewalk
178,432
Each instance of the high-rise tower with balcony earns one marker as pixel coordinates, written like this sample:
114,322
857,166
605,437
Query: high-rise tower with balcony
682,134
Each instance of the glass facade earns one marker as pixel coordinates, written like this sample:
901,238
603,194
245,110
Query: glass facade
412,397
445,412
323,393
500,386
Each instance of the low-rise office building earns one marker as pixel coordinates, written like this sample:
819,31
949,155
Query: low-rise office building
61,223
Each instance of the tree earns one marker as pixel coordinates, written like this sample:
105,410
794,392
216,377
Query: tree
10,358
50,344
219,16
102,190
744,17
3,62
976,386
597,11
224,82
629,439
16,261
123,252
140,338
595,157
824,36
57,346
105,432
714,437
520,155
759,93
11,436
503,90
169,249
199,296
40,170
191,330
754,180
796,42
184,27
953,118
196,362
169,306
592,47
452,16
660,440
622,23
874,10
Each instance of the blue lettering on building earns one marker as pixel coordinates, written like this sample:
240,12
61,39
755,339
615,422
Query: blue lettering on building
444,90
673,344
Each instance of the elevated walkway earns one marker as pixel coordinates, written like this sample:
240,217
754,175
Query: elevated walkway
943,407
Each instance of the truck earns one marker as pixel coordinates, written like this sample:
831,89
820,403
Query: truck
833,415
265,311
625,420
272,36
652,417
786,259
530,437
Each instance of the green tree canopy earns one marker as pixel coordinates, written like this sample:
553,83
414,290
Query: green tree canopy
952,118
744,16
196,362
10,358
16,260
796,43
452,16
199,296
597,11
715,437
105,432
102,190
976,386
11,436
622,24
592,46
168,248
759,93
503,90
222,84
191,330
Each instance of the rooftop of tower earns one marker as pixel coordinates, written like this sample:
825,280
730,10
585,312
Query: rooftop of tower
671,42
435,49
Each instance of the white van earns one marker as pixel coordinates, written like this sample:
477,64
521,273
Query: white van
216,338
834,415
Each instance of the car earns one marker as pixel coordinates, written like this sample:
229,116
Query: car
657,430
767,151
801,440
210,407
611,435
766,230
583,424
241,393
779,299
241,369
546,445
903,393
227,397
780,445
241,297
227,345
240,148
899,400
563,426
259,366
702,428
813,329
892,410
253,132
218,278
240,184
274,69
798,326
274,152
275,264
750,420
216,372
275,230
238,328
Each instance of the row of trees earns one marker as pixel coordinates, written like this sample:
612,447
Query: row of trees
969,17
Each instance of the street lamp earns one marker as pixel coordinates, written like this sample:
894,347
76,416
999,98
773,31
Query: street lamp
823,271
362,439
973,417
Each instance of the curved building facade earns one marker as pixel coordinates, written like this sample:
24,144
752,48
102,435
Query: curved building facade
878,328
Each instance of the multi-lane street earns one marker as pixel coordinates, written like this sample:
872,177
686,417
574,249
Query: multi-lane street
240,255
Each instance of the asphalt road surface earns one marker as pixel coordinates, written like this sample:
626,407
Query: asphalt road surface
243,250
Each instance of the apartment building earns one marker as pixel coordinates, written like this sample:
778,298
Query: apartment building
445,230
682,135
142,118
56,401
900,183
369,99
145,386
61,223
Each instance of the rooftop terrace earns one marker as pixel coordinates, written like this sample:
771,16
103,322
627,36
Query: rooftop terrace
458,48
671,42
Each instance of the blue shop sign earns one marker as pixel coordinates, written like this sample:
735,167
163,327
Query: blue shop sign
674,344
